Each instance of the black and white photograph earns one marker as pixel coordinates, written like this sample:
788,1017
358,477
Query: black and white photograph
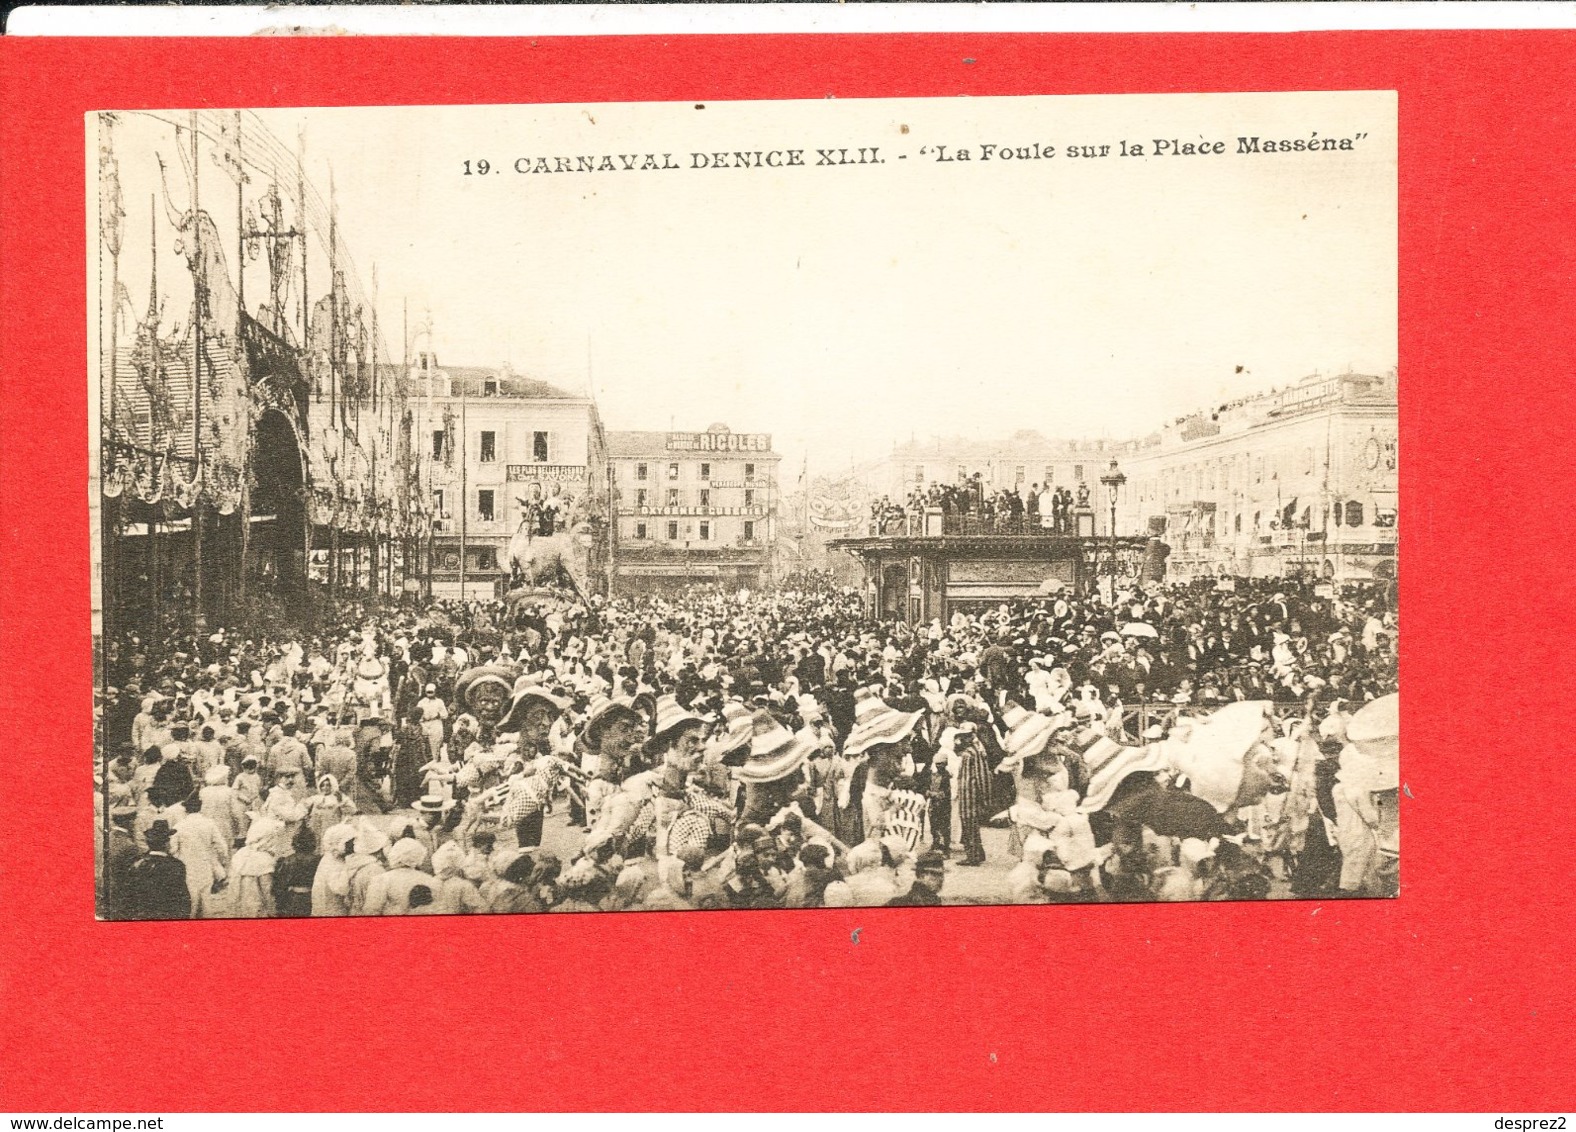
744,505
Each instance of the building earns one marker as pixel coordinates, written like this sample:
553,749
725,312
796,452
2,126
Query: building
487,442
693,507
1299,481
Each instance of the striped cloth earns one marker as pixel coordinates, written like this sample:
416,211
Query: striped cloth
973,790
1109,763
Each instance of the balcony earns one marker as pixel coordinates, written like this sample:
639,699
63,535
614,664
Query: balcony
912,525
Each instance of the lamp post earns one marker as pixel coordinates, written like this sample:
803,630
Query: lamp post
1113,480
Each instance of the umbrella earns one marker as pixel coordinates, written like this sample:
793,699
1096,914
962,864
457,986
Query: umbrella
1052,586
1140,629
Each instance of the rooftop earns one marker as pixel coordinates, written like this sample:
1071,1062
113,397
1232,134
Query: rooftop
1311,393
472,382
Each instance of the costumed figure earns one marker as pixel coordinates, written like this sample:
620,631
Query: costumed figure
371,686
1190,784
537,771
881,734
1367,800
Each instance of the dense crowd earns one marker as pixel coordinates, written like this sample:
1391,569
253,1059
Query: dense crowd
738,750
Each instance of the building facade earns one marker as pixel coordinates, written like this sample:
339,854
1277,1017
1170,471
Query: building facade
1300,481
693,507
492,445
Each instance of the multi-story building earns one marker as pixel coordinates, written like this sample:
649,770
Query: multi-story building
1295,482
693,507
487,442
1298,481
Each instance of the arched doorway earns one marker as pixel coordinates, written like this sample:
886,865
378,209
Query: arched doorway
276,558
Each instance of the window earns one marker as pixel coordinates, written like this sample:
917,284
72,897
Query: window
673,532
705,471
641,496
749,471
640,471
705,495
919,475
1239,522
489,388
673,471
1336,512
1309,461
673,497
489,447
539,447
749,530
1078,473
640,530
484,502
749,497
1354,513
437,444
705,532
437,503
1050,474
1020,474
486,558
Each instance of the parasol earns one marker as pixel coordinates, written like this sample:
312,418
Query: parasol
1140,629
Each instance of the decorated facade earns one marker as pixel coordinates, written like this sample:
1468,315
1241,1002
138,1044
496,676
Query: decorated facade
248,418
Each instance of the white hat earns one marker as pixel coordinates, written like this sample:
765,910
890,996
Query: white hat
406,853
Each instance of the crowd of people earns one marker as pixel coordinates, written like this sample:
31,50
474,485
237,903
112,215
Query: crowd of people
970,502
754,750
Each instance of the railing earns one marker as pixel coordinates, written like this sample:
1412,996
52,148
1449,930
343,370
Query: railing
1139,718
912,525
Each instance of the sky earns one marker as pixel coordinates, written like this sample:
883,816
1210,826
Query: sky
844,308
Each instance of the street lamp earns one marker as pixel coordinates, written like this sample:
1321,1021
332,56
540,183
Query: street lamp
1113,480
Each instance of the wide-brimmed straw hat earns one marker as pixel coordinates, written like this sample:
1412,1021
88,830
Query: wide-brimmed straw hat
529,690
1028,732
775,752
882,724
671,716
738,729
602,711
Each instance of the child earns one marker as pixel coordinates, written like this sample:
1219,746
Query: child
438,777
248,788
328,807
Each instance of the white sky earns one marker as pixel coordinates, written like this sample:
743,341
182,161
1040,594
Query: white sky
843,309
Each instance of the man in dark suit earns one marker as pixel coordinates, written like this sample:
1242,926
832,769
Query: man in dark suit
156,882
929,873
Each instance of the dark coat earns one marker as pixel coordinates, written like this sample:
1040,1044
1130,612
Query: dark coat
156,889
172,783
916,897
